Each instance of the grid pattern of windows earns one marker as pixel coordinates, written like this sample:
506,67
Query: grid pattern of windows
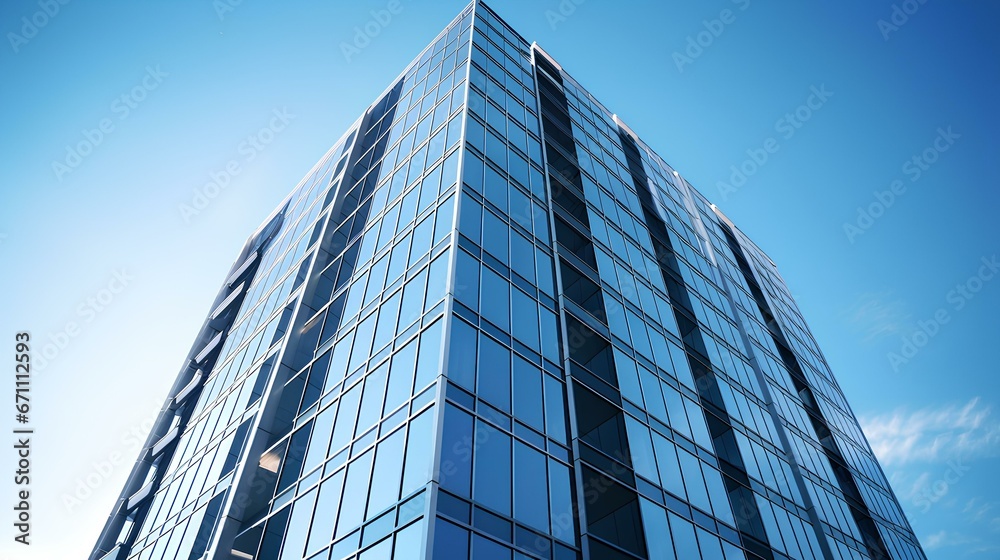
505,478
350,448
194,478
492,323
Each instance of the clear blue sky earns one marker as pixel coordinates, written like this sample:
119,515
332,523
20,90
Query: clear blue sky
207,83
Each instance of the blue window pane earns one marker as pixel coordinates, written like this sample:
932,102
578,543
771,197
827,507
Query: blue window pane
381,551
681,366
449,173
530,487
443,224
387,316
387,231
419,157
528,394
455,124
693,480
684,540
678,415
352,508
628,377
429,359
298,527
654,521
496,151
494,373
485,549
698,427
543,264
651,391
327,506
478,79
495,295
400,383
419,447
354,296
495,236
496,188
387,472
522,256
541,221
398,181
471,218
535,150
492,468
550,334
520,207
372,399
661,353
561,502
518,165
322,429
524,311
407,210
462,356
210,518
495,115
666,460
643,459
767,516
734,552
555,412
711,547
456,451
606,269
273,535
437,279
409,543
347,415
640,340
467,280
397,259
450,541
189,529
421,241
475,135
429,188
362,342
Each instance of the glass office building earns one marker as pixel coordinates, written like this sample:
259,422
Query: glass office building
492,324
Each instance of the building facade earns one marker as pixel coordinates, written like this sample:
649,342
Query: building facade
492,323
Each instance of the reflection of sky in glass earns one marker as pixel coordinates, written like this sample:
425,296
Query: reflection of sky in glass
63,241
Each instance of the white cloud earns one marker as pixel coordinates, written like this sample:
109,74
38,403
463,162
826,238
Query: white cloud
944,539
879,314
950,432
977,509
908,488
